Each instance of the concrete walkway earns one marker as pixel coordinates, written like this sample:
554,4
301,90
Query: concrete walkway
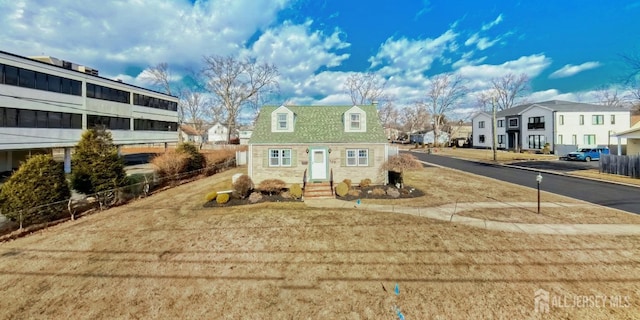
448,213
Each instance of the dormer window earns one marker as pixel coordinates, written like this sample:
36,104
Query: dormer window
282,121
355,121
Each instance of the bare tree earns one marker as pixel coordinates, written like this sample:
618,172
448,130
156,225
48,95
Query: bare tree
508,89
195,106
414,117
608,97
388,114
632,60
364,88
238,83
443,92
483,100
159,76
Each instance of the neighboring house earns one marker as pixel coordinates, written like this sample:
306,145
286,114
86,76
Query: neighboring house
245,135
191,134
219,133
428,137
318,143
391,133
46,103
633,140
559,123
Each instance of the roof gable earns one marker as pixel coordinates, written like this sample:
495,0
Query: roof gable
318,124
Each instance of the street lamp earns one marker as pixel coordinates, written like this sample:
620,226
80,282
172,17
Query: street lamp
539,180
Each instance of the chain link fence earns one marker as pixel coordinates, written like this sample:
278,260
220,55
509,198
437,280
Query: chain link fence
28,221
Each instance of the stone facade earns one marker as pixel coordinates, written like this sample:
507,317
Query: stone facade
300,161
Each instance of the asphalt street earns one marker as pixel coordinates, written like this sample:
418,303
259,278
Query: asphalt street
602,193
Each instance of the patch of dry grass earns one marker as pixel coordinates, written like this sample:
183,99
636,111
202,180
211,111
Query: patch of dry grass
595,174
442,186
487,155
579,215
167,257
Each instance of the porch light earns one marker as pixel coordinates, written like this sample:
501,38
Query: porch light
307,150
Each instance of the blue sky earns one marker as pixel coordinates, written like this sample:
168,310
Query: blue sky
568,48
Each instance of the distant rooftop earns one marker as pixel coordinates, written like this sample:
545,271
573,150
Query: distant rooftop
66,64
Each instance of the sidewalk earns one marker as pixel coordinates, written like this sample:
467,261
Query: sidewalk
448,213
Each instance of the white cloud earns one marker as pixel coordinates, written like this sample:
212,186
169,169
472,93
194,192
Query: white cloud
404,54
299,51
142,31
531,65
570,70
492,24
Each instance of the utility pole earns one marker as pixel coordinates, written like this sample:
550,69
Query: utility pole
494,129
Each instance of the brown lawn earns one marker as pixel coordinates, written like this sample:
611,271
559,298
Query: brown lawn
487,154
167,257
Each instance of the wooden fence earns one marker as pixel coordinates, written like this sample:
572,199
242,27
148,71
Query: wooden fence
621,165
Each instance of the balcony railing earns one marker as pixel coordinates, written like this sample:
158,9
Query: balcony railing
538,125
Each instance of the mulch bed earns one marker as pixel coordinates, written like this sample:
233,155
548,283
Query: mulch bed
239,202
367,193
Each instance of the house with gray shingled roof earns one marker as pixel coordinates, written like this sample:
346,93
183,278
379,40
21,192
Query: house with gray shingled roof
564,125
318,144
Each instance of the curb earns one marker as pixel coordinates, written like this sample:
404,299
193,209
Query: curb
557,173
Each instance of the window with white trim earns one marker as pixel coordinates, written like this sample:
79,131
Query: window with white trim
355,121
590,139
279,157
613,119
357,157
597,119
282,121
481,124
500,124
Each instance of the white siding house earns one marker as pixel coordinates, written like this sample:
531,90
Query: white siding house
481,126
218,133
558,123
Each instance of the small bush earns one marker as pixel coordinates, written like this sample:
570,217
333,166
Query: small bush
296,191
354,193
255,197
347,182
393,192
170,164
342,189
272,186
211,196
378,192
196,160
365,183
96,165
243,186
222,198
39,181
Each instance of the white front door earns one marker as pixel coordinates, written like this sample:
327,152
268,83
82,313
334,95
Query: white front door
319,164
